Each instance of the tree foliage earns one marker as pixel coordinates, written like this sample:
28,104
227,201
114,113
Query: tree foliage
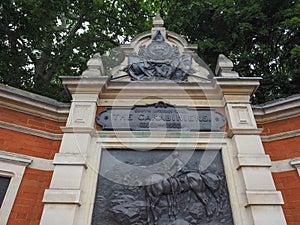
41,40
261,37
44,39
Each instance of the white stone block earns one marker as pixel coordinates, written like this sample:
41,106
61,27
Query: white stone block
253,161
248,144
82,115
75,143
60,196
258,178
268,215
59,214
67,177
240,116
85,97
70,159
264,198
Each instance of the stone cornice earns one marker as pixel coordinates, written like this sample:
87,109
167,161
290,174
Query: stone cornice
27,161
15,158
60,196
282,166
161,140
88,130
235,86
256,131
33,104
277,110
84,84
30,131
125,93
280,136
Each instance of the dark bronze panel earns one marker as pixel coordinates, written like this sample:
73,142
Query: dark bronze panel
161,187
160,116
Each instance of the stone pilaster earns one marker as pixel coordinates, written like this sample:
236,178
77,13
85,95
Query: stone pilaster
65,199
258,195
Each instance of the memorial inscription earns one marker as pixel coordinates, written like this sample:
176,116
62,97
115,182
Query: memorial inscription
160,116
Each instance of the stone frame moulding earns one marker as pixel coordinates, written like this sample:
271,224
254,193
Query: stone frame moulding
196,141
13,166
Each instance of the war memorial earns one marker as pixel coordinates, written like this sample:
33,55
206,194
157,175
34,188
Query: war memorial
154,137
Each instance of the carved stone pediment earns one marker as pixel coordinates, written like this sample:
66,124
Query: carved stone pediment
158,50
159,55
159,61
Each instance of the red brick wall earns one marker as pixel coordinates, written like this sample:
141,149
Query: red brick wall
21,143
283,149
28,205
281,126
289,185
286,182
26,120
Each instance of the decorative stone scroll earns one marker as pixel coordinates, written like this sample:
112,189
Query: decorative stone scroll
160,116
159,61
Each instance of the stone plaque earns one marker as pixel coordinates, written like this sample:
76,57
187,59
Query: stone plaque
4,182
160,116
161,187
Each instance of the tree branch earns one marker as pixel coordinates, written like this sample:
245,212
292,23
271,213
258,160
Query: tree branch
27,50
77,26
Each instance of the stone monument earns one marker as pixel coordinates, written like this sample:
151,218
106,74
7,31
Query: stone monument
155,137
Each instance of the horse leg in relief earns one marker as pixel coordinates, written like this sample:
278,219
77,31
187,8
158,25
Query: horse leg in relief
176,205
204,199
148,210
155,202
177,190
188,201
174,194
151,215
170,207
151,202
199,191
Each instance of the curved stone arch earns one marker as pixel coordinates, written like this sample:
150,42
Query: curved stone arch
171,37
136,42
181,42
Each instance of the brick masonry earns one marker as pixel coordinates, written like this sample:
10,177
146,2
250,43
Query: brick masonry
288,182
30,121
289,185
28,206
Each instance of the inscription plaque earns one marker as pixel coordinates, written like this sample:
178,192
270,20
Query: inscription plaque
192,193
160,116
